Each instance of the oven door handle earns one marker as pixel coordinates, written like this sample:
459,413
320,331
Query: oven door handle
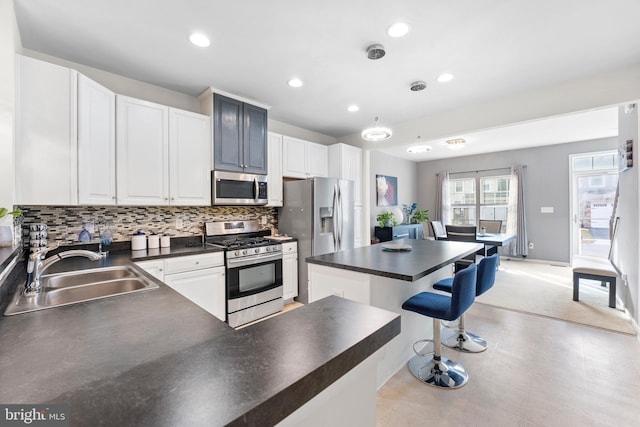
251,260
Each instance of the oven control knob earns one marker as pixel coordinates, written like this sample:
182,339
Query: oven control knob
244,252
257,250
236,253
267,249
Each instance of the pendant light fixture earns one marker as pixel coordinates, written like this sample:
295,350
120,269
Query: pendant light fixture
376,132
456,144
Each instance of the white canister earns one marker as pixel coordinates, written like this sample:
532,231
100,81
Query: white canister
153,241
139,242
165,241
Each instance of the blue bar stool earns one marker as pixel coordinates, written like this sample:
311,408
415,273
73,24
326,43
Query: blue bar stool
459,339
434,369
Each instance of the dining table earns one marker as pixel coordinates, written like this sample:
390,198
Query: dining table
494,239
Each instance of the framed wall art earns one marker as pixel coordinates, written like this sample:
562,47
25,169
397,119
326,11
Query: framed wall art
386,190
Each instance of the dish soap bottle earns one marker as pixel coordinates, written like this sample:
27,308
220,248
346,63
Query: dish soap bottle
84,235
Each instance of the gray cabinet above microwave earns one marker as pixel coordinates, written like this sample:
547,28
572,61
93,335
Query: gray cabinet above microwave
239,136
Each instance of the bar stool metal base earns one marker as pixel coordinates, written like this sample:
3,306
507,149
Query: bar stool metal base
443,373
463,341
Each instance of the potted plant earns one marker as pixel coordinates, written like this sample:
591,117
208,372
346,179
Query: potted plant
420,216
386,219
6,237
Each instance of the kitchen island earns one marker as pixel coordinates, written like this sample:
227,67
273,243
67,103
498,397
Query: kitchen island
155,358
373,276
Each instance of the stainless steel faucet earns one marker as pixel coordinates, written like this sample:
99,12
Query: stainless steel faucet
37,265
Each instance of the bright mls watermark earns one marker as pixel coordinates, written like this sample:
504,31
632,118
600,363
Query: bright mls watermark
34,415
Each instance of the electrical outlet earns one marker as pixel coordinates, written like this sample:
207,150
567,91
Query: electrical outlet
531,245
179,223
264,220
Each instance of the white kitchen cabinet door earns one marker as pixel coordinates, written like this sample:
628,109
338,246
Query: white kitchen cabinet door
289,270
357,227
294,155
274,178
317,159
205,288
142,152
345,161
96,143
154,267
304,159
46,140
189,158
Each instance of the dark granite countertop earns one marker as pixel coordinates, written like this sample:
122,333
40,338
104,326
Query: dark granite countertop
154,358
425,257
7,254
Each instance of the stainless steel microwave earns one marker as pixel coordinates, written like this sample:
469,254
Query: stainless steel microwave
234,188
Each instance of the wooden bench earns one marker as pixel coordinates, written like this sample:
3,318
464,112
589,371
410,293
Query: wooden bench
594,269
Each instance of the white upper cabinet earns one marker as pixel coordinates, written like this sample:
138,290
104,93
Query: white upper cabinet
189,158
46,133
163,155
274,178
142,152
96,143
303,159
345,161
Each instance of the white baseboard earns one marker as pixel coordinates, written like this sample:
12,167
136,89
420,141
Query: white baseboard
533,260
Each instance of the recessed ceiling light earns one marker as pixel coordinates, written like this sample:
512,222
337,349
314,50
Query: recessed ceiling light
199,40
353,108
398,29
295,83
446,77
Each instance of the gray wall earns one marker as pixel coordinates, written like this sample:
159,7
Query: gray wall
626,243
404,170
547,184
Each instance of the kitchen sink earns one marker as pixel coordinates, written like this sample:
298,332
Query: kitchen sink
80,286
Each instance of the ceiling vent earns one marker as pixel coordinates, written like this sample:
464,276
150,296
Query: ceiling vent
375,51
418,86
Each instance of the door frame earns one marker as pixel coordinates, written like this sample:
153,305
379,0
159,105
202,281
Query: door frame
574,234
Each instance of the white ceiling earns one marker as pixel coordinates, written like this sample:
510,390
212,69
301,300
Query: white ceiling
493,47
583,126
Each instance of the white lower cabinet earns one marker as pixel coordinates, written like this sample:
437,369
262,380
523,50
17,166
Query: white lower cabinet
289,270
154,268
203,287
200,278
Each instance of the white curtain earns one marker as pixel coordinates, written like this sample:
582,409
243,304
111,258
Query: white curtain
445,202
516,215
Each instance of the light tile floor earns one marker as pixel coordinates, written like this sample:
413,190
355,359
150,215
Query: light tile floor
537,371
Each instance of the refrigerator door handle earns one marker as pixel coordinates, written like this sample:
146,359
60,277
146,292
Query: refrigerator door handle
340,218
334,215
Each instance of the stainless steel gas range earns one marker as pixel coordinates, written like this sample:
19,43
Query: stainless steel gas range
253,269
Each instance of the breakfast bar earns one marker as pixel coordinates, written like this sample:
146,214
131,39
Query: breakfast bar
385,275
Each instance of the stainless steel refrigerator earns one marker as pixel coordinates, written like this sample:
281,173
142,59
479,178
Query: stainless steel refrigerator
319,213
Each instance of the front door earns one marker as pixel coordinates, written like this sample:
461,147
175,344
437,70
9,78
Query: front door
594,182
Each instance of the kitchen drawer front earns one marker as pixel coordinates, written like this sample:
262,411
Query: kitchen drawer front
290,248
193,262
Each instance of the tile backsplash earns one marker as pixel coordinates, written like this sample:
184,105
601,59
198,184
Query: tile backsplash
64,223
